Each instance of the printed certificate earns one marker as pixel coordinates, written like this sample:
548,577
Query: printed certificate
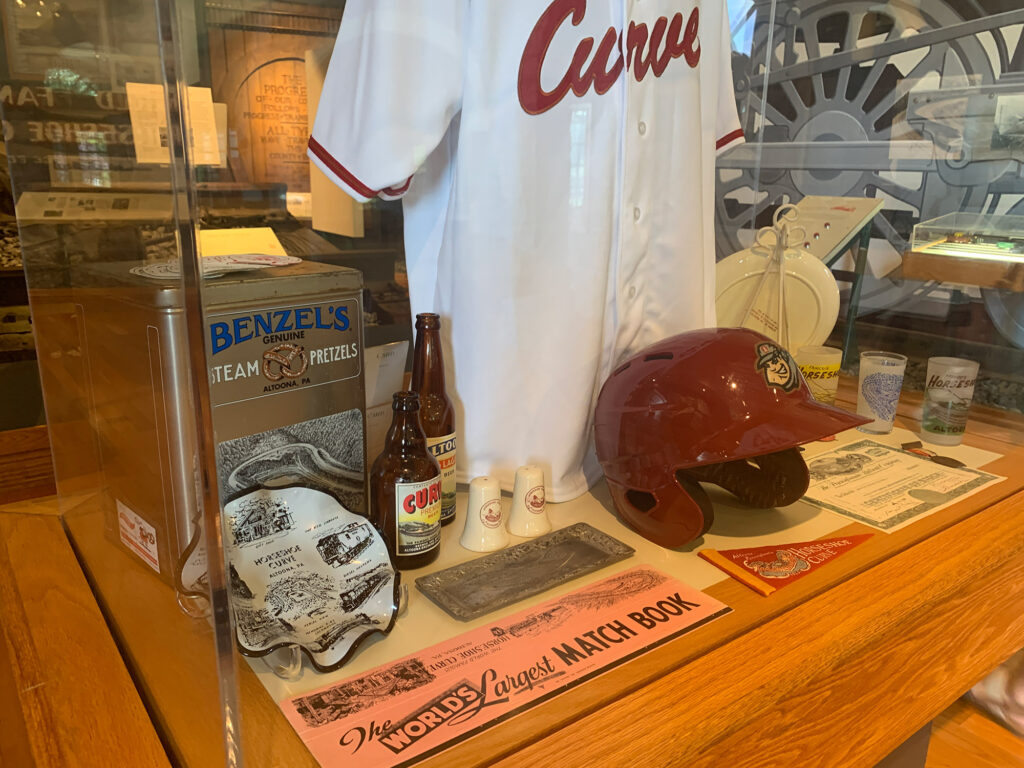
886,487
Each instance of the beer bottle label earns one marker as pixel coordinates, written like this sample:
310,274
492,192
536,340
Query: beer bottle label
443,449
418,516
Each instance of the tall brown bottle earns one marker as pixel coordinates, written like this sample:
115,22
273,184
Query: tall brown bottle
437,414
405,486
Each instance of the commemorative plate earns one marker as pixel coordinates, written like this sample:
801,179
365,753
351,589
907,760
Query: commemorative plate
305,571
260,260
811,295
215,266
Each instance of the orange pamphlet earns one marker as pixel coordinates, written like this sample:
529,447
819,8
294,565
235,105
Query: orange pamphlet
424,703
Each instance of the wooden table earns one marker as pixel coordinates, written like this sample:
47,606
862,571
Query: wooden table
66,698
840,667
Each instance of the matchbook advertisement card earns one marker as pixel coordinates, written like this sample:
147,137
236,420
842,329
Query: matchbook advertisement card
422,704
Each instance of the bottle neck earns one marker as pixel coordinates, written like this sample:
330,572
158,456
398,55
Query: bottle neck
428,362
405,433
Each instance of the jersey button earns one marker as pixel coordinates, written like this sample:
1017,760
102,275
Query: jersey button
636,214
632,291
642,128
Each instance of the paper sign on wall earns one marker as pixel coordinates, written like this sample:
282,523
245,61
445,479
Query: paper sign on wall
147,111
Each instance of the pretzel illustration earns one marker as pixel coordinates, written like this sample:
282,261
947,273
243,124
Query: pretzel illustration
284,355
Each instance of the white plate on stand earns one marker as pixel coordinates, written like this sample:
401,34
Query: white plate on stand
811,295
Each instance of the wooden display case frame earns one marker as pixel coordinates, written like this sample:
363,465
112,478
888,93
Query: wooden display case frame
845,663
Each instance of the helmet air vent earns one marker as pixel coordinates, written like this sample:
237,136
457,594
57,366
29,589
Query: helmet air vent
641,500
658,356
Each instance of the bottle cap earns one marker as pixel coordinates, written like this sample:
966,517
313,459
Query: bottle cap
529,515
485,524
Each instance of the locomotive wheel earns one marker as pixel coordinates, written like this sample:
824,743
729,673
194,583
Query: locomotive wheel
1006,308
857,103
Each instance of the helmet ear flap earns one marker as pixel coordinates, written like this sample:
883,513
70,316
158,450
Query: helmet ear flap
670,516
773,480
700,496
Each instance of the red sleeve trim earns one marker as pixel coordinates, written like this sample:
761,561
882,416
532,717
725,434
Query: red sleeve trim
395,192
339,170
350,178
729,138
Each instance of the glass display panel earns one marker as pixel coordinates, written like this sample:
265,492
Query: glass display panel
915,106
221,330
94,153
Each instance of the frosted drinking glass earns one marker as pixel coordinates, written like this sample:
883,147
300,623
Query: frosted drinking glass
878,390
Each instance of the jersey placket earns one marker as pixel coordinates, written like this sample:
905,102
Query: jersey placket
636,213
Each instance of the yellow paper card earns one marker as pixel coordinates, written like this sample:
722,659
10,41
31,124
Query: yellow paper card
231,242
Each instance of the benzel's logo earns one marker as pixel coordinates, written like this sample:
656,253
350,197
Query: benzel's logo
777,367
645,49
224,335
285,361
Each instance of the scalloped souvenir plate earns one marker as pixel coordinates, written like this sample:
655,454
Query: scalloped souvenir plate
306,571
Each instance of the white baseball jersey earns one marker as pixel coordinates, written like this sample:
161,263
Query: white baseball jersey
556,159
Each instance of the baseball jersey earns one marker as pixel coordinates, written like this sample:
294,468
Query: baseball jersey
556,164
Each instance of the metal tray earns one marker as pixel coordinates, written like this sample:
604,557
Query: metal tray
476,588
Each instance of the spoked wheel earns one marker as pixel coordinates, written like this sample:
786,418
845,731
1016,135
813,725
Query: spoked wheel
838,131
1006,308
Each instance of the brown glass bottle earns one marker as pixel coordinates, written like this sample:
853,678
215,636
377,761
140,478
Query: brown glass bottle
405,489
437,414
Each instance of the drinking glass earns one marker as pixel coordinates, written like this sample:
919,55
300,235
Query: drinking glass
948,392
820,367
878,390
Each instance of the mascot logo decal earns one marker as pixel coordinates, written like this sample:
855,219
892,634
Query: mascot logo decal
777,367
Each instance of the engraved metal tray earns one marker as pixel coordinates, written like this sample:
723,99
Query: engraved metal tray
476,588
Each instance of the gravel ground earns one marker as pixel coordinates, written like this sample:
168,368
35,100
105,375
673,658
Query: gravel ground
10,250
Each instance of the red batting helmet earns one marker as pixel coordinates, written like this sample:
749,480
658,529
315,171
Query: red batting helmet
721,405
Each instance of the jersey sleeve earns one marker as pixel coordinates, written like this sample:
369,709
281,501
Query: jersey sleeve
728,132
393,84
